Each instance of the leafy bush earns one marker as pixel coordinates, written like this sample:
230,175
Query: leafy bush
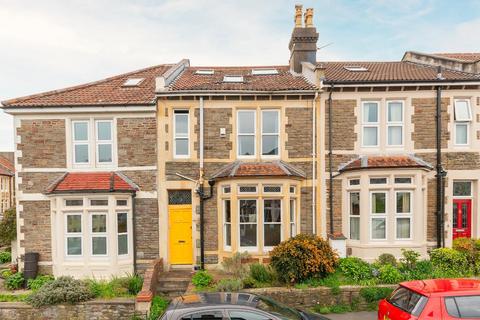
8,227
390,274
202,279
235,265
375,294
302,257
158,307
13,297
423,270
228,285
60,290
39,281
409,258
14,281
338,308
5,273
134,284
356,269
466,245
387,258
449,262
5,256
261,273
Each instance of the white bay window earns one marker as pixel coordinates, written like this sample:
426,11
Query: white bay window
227,224
272,226
99,234
354,213
378,215
403,213
73,234
248,223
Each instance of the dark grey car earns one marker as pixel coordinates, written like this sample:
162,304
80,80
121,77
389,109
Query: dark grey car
232,306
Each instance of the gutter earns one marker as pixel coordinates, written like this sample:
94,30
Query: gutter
134,234
233,92
403,82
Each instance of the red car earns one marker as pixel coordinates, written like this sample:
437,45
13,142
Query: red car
433,300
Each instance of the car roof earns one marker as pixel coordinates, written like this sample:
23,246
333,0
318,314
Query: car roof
444,286
213,299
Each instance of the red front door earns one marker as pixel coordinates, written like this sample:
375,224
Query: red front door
462,218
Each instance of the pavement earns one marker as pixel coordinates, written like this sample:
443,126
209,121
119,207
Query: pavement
362,315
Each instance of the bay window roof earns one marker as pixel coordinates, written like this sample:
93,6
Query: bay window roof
74,182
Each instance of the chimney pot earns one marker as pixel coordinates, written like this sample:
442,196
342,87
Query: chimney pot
309,18
298,15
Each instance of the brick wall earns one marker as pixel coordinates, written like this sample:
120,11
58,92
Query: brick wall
37,182
146,180
146,218
137,142
424,121
299,132
42,143
343,124
337,205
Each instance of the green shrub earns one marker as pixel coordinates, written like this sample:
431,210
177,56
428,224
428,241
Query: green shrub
228,285
116,287
387,258
158,307
389,274
5,273
375,294
249,283
423,270
302,257
39,281
134,284
13,297
409,258
60,290
338,308
202,279
476,244
5,256
356,269
14,281
8,227
261,273
449,262
235,265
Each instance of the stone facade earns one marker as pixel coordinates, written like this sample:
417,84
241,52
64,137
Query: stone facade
424,122
145,180
137,141
50,135
37,182
343,124
431,210
146,211
216,146
299,132
306,215
211,223
337,205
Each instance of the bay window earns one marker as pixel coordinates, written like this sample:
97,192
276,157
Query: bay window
99,234
403,213
370,124
122,233
181,129
395,123
246,133
227,224
248,223
462,117
272,226
354,213
270,132
378,215
73,236
293,217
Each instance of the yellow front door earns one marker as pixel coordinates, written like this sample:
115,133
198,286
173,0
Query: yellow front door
180,229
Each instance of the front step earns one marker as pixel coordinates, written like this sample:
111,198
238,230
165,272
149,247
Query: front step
173,283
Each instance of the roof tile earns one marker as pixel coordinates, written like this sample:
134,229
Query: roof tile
256,169
7,168
91,181
377,162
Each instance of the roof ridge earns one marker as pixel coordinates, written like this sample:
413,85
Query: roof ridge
443,68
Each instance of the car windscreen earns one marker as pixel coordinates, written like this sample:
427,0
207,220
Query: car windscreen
268,305
408,301
463,307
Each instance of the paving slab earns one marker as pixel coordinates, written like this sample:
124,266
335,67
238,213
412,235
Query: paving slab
362,315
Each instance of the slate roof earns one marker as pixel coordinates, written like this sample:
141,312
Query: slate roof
388,72
92,182
257,169
378,162
7,168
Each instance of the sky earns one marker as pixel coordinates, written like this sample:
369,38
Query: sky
46,45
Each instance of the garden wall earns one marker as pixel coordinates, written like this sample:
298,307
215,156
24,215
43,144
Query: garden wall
120,308
320,296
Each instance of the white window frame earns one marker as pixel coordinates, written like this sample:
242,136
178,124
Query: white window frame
122,233
268,248
81,142
350,215
461,123
99,142
74,235
395,123
293,219
378,215
370,124
98,234
469,110
245,223
277,134
254,134
408,215
182,136
225,224
463,197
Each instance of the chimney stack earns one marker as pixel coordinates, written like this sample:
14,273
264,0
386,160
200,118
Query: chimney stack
303,43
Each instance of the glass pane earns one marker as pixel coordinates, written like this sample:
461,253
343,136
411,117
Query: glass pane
464,215
403,180
462,112
270,145
378,180
228,214
292,210
104,130
248,235
408,301
378,228
403,228
74,223
370,112
181,147
354,203
104,153
228,234
99,223
122,222
355,228
272,234
269,122
80,131
245,315
74,246
74,202
370,136
122,244
248,211
272,210
403,202
181,124
461,133
462,188
395,136
378,203
122,203
246,122
455,215
99,202
468,306
204,315
395,112
293,231
354,182
81,153
246,145
99,245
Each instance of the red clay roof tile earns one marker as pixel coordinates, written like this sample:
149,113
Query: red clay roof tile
376,162
91,181
7,168
464,57
256,169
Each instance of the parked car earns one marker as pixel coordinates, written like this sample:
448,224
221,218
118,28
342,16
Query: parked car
233,306
433,299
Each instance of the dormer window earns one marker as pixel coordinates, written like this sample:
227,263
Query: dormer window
264,71
205,72
233,79
133,82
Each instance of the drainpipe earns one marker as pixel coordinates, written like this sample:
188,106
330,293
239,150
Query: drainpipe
134,234
314,164
330,160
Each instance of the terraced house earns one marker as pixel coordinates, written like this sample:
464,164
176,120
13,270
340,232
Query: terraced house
192,164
